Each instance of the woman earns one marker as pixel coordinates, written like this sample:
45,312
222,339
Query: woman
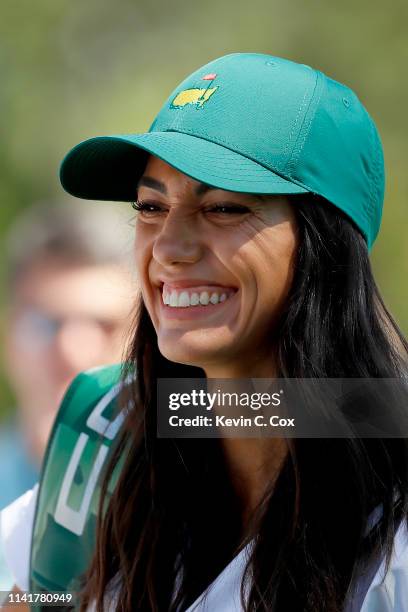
259,191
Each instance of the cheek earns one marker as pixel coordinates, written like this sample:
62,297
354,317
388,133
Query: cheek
281,252
270,257
278,271
143,248
143,251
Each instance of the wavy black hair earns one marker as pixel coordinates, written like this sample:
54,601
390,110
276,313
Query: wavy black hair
173,519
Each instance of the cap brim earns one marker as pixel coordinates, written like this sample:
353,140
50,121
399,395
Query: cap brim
109,167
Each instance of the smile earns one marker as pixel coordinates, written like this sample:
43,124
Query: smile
195,296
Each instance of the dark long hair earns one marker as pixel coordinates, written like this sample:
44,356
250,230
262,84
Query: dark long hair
173,518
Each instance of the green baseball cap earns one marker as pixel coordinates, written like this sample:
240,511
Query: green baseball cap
250,123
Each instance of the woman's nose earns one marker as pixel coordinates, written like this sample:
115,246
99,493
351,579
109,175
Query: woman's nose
178,240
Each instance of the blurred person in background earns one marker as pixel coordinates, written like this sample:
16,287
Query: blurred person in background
69,297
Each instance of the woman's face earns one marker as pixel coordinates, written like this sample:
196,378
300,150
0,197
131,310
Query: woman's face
232,253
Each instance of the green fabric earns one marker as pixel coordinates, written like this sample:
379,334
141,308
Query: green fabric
251,123
62,545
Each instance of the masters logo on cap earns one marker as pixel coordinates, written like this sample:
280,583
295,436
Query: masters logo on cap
195,95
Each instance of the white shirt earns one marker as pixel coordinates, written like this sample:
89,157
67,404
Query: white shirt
223,595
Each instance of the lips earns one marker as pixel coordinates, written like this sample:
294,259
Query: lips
189,282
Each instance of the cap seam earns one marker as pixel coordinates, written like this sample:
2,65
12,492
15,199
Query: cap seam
301,107
260,160
307,122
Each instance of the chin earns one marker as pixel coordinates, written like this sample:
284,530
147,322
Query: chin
197,353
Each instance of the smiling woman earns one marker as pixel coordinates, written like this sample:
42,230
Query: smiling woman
258,193
231,254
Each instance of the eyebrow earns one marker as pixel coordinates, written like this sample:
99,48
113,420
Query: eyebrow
148,181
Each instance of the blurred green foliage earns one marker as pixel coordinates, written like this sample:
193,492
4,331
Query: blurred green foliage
72,69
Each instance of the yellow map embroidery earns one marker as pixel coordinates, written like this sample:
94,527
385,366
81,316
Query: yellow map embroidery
192,96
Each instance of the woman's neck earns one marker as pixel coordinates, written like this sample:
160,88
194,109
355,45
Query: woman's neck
253,465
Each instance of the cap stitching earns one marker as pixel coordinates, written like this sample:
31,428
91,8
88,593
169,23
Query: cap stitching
244,179
279,180
217,140
296,121
307,123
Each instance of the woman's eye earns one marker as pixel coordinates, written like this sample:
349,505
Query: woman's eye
229,209
148,209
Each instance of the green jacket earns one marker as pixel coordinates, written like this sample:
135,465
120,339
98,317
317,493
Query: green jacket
79,447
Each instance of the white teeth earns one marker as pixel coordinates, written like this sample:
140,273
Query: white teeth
194,299
184,300
174,299
204,298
